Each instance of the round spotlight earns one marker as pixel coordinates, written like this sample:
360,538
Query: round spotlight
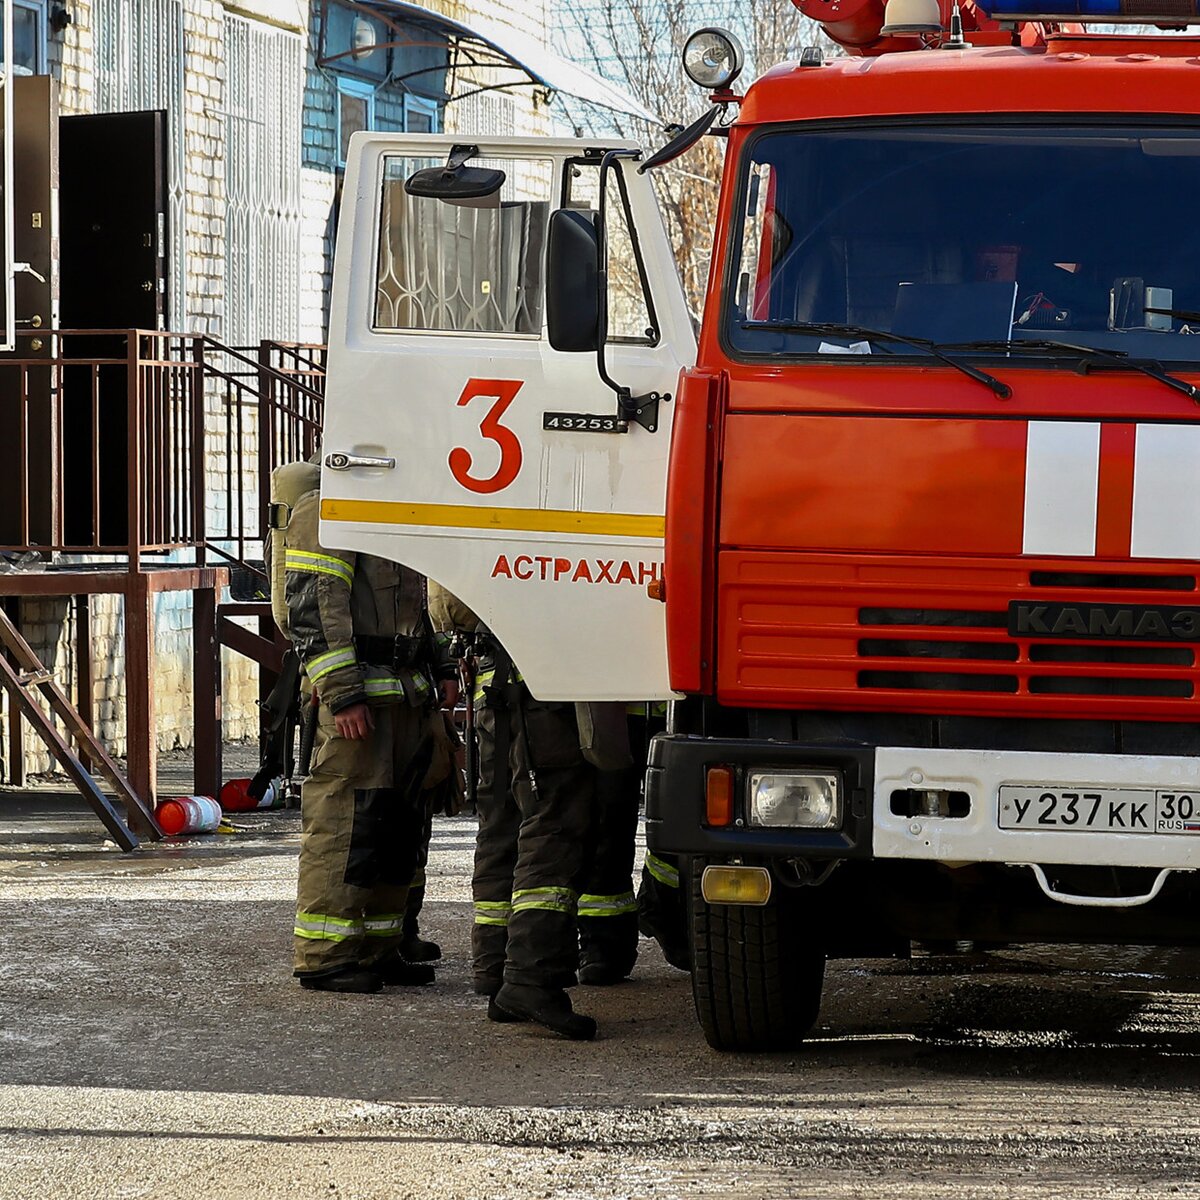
713,58
363,37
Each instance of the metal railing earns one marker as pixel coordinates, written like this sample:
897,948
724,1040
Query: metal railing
135,442
269,405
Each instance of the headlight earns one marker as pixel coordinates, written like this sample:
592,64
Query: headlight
796,799
713,58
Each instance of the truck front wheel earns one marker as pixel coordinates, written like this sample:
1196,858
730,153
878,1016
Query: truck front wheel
756,971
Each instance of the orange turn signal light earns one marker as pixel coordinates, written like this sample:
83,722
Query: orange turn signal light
718,795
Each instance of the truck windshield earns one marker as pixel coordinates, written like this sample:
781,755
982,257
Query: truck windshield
964,235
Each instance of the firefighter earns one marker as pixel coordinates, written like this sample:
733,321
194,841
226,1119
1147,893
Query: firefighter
608,922
609,914
662,912
535,800
608,930
360,628
441,792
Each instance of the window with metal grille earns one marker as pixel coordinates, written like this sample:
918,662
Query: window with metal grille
466,269
139,63
264,89
483,114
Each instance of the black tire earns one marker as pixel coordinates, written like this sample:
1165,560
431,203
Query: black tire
756,974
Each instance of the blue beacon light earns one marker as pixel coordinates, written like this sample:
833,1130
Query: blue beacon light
1174,12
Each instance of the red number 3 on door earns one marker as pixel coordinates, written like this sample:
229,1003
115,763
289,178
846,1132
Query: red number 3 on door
502,392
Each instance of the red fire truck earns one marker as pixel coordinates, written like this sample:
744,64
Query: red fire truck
909,535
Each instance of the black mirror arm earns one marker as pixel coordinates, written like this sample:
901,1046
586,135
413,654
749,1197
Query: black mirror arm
459,156
642,409
683,141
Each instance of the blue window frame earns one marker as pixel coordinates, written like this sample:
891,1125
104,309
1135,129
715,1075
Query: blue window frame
355,112
421,115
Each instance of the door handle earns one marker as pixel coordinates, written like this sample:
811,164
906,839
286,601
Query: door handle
22,268
343,462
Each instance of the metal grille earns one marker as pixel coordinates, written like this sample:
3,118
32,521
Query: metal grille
1055,667
264,86
485,115
896,634
140,67
450,267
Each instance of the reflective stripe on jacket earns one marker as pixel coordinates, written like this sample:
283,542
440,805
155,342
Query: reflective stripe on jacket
334,596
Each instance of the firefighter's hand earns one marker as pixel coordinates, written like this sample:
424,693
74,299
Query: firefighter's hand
355,722
449,690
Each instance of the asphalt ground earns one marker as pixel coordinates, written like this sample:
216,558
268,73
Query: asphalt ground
154,1044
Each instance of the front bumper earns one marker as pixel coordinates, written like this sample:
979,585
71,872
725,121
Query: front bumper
675,807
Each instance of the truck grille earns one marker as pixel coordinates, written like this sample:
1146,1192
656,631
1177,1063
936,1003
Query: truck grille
1081,669
829,631
1040,667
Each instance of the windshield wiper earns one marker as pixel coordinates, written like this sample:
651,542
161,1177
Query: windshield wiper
1118,358
1180,314
834,329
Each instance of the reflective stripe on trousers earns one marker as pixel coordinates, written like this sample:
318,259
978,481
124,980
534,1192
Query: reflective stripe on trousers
324,928
546,899
383,924
662,871
607,906
492,912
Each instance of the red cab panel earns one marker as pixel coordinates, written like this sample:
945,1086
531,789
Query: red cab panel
892,485
691,532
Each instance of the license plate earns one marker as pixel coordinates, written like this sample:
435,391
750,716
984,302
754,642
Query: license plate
1098,810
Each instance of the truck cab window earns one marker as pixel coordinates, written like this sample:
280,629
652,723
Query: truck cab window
964,235
630,313
468,267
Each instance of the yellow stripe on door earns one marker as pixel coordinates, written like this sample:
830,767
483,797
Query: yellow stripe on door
469,516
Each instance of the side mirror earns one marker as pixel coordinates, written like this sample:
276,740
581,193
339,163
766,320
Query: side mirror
456,182
572,291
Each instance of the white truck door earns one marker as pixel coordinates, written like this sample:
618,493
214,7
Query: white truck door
458,442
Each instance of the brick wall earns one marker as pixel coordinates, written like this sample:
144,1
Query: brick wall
199,184
49,625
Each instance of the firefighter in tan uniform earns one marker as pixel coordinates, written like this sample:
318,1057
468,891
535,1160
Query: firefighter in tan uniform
360,628
442,792
537,817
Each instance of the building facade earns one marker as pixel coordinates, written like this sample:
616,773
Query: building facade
260,97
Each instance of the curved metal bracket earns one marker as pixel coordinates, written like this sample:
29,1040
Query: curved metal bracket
1097,901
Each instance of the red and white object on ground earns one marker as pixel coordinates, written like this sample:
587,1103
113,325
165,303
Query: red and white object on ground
236,797
188,814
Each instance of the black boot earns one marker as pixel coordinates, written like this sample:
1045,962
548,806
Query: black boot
345,979
549,1007
418,950
500,1016
414,947
671,942
485,985
597,972
395,971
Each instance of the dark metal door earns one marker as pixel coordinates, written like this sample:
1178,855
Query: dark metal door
113,205
28,410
